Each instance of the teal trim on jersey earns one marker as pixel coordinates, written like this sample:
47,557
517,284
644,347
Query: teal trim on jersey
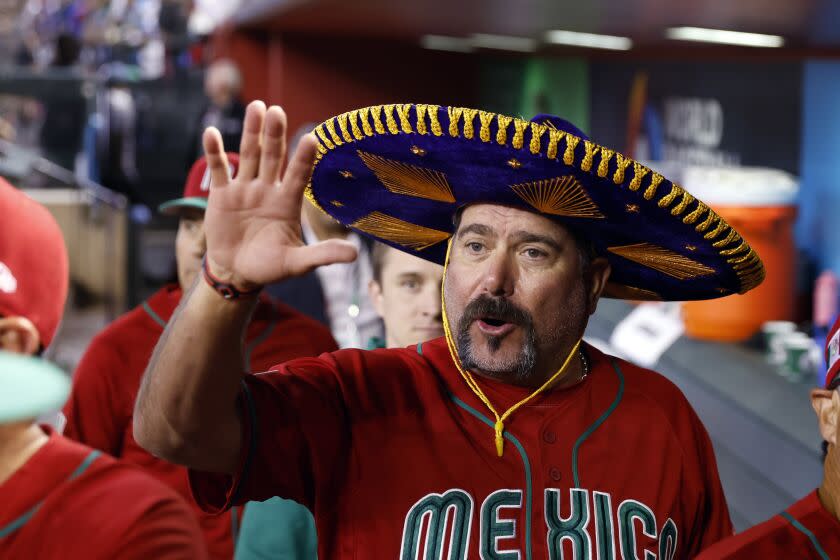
804,530
252,447
234,525
420,348
525,462
601,419
259,340
24,519
155,317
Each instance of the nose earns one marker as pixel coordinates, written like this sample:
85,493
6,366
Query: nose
498,275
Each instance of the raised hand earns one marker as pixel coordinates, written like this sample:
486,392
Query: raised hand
252,222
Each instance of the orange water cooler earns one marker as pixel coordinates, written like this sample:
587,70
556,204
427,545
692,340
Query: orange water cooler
761,205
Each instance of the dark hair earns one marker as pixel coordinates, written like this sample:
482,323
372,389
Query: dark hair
377,260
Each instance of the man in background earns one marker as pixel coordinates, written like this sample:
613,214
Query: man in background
99,412
405,291
224,109
62,499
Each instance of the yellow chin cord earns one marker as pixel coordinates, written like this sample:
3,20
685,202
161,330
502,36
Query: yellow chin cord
473,384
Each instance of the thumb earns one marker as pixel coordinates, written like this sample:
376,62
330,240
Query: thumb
332,251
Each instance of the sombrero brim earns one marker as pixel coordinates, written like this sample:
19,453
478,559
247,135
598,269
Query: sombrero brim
172,207
398,173
30,387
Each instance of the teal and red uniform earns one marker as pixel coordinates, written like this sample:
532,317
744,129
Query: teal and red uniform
69,501
395,457
804,531
105,385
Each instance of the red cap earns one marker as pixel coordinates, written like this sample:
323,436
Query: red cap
832,353
33,263
197,187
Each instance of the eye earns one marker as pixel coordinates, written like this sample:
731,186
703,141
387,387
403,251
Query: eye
474,247
410,284
533,253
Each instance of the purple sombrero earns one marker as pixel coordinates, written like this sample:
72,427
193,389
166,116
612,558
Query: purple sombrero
399,173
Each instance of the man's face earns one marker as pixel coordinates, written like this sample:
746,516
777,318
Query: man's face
517,295
408,299
190,246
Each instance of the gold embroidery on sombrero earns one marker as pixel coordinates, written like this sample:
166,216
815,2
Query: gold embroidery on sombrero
402,112
437,130
589,151
398,231
680,208
707,223
743,246
485,118
623,291
571,144
390,121
321,150
376,115
501,134
604,165
403,178
337,204
319,131
693,216
454,116
663,260
554,137
331,129
560,196
354,125
418,151
726,241
363,116
639,172
655,180
519,127
715,233
469,120
421,118
666,200
537,130
342,125
621,162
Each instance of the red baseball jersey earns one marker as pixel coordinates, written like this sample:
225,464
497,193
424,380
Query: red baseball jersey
804,531
396,459
69,501
101,406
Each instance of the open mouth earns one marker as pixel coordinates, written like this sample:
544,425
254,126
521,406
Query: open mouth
494,326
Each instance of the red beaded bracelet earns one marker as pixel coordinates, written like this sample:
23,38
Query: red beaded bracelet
227,291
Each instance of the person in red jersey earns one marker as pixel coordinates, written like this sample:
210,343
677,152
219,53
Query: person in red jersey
105,383
810,528
506,438
62,499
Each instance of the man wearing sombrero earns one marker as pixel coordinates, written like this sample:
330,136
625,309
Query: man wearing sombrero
507,438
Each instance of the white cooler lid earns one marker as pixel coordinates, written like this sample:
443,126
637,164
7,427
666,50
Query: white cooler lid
741,186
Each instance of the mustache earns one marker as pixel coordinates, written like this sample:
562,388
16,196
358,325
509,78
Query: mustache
496,308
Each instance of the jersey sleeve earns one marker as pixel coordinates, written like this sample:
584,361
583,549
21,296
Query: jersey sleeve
97,413
295,438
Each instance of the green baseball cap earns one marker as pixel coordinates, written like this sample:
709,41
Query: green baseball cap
30,387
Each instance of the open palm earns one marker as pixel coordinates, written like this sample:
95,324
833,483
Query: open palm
252,222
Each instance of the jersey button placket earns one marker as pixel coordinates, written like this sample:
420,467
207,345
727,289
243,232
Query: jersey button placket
555,474
549,436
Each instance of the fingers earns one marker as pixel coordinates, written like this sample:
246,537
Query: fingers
300,168
249,147
308,257
217,162
273,144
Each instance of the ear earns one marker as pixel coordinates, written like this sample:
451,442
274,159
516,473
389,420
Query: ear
375,294
599,274
19,335
825,403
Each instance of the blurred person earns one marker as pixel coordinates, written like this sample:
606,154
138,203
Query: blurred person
405,290
224,109
402,452
810,528
101,405
62,499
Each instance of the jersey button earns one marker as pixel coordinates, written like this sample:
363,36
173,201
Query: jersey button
554,473
549,436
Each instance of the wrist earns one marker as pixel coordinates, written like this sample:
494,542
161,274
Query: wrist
227,287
